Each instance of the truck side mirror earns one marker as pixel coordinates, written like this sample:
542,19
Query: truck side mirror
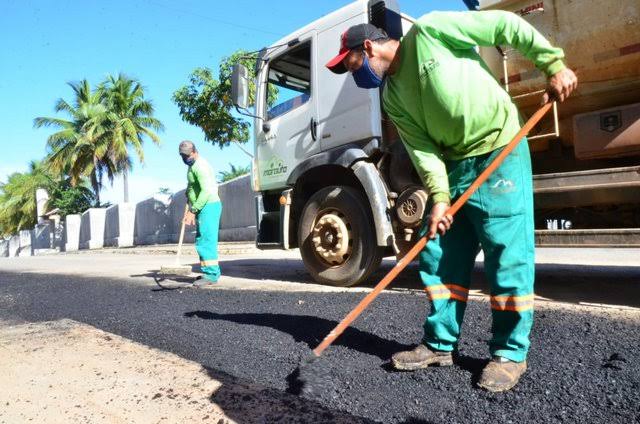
240,86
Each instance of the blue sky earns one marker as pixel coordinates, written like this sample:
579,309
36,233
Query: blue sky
47,43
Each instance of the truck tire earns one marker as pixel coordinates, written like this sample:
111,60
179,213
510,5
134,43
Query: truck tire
332,216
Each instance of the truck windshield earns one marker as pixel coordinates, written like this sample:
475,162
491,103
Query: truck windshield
290,75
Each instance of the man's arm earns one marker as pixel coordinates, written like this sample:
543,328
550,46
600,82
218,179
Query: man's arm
465,30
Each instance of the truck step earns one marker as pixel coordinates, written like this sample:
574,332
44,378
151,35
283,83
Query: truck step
587,188
625,237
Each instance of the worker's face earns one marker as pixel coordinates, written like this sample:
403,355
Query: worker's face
355,59
188,159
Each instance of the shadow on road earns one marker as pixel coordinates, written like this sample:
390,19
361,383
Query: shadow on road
614,285
310,330
249,404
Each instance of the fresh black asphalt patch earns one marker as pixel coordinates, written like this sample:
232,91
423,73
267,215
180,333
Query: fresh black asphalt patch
583,367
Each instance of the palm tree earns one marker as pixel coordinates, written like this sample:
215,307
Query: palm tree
18,198
79,148
235,172
130,120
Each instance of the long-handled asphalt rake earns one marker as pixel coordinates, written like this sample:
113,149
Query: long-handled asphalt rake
417,248
177,268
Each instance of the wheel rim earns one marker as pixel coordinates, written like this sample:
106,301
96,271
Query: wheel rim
331,238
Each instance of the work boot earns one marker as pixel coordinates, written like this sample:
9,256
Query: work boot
501,374
420,357
204,281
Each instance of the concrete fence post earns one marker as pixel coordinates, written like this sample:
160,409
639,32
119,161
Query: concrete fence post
43,237
119,225
72,232
152,225
26,243
14,246
4,248
92,228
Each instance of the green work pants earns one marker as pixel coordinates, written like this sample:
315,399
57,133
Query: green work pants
499,219
208,220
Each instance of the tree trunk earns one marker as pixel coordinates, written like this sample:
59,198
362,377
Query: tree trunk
125,180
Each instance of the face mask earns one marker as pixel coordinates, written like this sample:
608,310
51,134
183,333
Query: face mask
365,77
188,161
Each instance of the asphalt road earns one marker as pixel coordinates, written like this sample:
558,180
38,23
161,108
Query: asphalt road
584,362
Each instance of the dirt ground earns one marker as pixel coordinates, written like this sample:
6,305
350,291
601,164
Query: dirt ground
65,371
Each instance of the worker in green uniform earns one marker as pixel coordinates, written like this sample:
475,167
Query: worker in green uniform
205,209
454,118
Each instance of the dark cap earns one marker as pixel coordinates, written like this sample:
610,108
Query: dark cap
187,147
350,39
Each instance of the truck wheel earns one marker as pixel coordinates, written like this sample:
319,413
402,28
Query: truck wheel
337,239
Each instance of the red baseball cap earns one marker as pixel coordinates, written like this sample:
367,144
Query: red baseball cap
350,39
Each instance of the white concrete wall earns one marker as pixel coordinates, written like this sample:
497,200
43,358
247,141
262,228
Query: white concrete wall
238,221
43,235
176,212
119,225
92,228
152,223
155,220
26,243
14,246
4,248
72,233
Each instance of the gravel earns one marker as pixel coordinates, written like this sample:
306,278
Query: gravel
583,366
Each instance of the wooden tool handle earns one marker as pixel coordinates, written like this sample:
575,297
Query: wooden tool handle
417,248
184,216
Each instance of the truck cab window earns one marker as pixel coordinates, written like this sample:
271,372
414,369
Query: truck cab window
290,75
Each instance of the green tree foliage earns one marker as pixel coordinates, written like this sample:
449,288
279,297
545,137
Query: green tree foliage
234,172
18,210
206,101
71,199
79,148
102,125
130,120
18,198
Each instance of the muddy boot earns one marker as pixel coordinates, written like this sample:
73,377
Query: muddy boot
204,281
501,374
420,357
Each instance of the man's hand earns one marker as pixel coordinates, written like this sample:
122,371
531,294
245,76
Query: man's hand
189,218
560,86
439,220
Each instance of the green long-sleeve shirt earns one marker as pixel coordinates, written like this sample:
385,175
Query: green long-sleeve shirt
444,100
202,187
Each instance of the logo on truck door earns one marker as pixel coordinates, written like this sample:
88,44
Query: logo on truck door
611,121
274,167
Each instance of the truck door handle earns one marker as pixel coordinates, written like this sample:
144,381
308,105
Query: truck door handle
314,126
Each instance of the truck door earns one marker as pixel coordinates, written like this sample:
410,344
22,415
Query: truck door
288,133
346,113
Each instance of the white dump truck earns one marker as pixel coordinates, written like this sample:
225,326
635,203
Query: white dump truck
333,179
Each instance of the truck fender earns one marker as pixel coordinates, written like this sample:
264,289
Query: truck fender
376,192
343,156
